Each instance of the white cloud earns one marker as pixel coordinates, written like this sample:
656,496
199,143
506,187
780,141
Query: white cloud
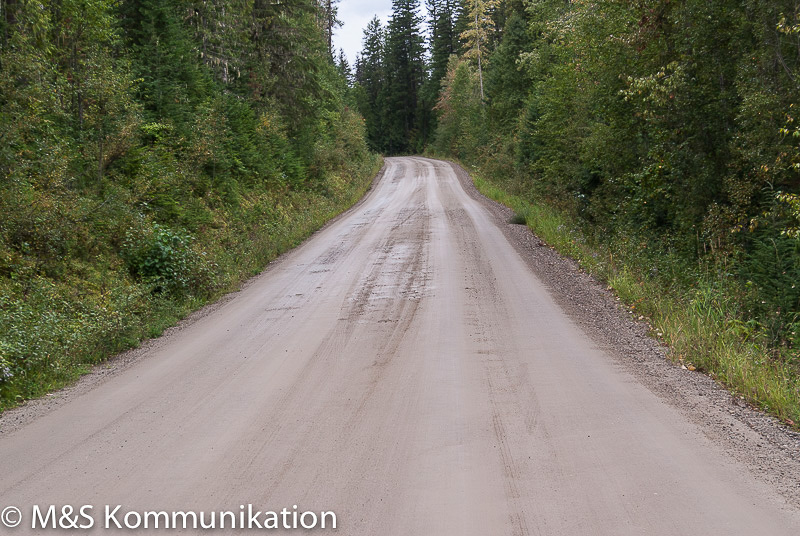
356,14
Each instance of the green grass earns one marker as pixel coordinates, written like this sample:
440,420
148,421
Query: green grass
700,323
52,330
518,219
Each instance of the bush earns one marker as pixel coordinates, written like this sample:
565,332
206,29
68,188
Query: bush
8,366
165,258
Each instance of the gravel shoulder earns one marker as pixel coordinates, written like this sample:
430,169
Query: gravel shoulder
769,449
418,366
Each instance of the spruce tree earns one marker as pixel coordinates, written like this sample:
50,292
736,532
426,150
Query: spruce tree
443,40
370,77
405,74
506,83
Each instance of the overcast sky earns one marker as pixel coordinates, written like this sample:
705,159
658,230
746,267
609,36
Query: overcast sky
356,14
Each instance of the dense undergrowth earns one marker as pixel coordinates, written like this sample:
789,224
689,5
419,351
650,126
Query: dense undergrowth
152,156
656,141
695,310
55,323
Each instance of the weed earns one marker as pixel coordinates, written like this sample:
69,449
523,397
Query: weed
51,331
518,219
696,311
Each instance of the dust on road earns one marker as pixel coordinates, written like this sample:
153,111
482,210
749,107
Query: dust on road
406,369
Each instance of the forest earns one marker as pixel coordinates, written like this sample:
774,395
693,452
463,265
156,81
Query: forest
654,140
156,154
153,155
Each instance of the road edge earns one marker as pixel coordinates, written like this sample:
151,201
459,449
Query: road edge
764,445
15,418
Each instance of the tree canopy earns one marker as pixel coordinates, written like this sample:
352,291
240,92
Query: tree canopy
666,127
153,154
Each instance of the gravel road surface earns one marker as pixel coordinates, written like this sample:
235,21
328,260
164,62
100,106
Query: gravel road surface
417,367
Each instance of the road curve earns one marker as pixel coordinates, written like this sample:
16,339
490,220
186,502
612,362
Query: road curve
405,369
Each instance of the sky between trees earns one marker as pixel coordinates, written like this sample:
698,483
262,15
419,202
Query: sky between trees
355,14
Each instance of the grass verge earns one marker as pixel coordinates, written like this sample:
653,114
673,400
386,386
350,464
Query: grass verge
700,322
53,329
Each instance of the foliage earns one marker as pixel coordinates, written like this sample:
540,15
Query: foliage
165,257
405,71
650,127
154,154
371,79
461,114
442,40
391,74
667,133
476,36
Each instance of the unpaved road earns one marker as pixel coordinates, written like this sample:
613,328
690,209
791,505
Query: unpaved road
407,370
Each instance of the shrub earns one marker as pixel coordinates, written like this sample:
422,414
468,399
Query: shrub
165,258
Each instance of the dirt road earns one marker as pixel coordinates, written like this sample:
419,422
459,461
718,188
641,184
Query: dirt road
407,370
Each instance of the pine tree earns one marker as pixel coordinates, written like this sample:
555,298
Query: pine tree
328,12
289,52
221,28
172,77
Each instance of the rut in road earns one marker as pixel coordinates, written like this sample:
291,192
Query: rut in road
405,369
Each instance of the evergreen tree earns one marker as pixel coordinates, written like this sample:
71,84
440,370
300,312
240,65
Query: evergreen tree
443,39
405,74
173,80
507,83
153,153
290,57
442,43
223,52
328,12
343,66
370,75
479,33
463,16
